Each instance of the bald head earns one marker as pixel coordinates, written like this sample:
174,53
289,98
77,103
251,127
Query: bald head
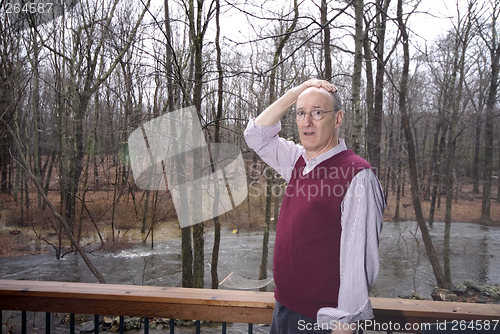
331,101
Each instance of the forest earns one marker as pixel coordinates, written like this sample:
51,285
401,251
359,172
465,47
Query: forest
77,78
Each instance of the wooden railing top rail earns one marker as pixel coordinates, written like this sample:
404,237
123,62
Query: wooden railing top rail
206,304
135,300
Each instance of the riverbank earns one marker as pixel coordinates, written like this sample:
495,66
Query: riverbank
37,232
466,292
465,209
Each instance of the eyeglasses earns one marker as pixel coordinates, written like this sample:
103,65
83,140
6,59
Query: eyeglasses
316,115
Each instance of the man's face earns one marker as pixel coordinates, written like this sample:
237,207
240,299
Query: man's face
320,136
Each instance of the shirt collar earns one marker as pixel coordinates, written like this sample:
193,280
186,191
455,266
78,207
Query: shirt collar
310,164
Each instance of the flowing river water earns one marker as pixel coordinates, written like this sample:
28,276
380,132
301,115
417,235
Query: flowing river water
404,267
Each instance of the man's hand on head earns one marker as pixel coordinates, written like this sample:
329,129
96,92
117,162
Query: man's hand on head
318,83
275,111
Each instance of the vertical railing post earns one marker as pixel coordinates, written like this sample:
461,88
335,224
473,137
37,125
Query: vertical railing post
224,330
172,326
71,323
198,327
96,324
23,322
146,326
122,324
250,328
47,322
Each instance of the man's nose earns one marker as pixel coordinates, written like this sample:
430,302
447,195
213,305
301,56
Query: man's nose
308,119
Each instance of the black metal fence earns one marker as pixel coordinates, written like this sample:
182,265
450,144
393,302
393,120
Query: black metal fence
172,324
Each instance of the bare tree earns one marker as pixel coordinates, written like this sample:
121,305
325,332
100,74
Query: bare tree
429,247
218,119
463,35
374,129
492,42
326,40
198,25
356,76
269,173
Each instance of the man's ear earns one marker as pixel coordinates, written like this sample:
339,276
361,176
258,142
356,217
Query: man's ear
339,117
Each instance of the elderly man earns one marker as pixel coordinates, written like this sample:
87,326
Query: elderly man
326,249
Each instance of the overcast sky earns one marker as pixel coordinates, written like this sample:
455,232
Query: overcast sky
426,27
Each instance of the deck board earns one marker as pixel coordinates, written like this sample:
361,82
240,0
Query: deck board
207,304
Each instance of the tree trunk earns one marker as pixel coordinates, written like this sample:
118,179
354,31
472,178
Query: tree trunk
434,171
436,191
48,176
389,150
398,191
113,211
498,174
374,129
477,152
187,258
265,241
186,249
36,112
423,176
269,176
218,117
356,77
326,41
454,99
5,161
429,247
490,114
169,66
145,216
197,36
90,152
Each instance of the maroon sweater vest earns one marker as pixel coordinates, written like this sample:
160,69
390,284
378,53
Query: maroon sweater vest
307,248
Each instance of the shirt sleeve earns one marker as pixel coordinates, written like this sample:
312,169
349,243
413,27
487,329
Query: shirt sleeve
361,220
277,152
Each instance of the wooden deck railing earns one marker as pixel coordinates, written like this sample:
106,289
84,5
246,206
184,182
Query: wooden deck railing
211,305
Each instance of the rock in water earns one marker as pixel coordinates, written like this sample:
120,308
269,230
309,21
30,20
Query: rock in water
491,292
470,284
416,296
451,297
459,289
439,294
133,323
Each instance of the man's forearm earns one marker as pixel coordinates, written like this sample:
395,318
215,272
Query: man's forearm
275,111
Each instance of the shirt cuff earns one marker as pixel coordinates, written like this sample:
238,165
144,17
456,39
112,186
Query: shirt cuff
326,315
